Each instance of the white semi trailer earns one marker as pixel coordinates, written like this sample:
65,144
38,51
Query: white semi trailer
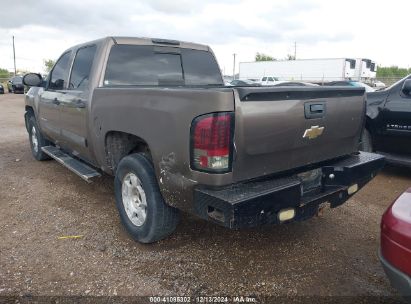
365,70
309,70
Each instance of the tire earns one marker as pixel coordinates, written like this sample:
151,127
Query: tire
41,141
146,222
366,141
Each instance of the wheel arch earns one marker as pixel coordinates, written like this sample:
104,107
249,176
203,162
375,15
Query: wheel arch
29,112
120,144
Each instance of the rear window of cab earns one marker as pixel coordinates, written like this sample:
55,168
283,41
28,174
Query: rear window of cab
136,65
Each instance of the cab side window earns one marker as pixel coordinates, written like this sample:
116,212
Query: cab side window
81,68
59,74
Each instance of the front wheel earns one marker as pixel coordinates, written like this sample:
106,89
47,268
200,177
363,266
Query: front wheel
143,212
37,141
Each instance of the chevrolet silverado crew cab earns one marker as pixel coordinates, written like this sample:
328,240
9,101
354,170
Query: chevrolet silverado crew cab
156,115
388,123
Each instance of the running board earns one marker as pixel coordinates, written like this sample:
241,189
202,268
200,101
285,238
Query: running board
74,165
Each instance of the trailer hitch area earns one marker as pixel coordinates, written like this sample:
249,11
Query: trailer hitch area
322,208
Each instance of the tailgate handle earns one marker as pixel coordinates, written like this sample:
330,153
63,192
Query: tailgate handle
314,110
317,108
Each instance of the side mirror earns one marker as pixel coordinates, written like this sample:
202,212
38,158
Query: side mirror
33,80
406,87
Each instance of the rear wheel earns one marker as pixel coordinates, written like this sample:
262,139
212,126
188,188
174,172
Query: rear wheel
143,212
37,141
366,141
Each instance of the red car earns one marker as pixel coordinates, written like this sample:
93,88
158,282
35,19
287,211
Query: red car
395,252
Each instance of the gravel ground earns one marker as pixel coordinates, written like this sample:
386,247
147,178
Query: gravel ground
333,256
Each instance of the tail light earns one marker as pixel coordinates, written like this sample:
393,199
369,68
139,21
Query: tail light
212,142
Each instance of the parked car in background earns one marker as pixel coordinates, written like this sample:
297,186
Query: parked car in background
268,80
388,123
395,252
1,89
227,79
15,85
244,83
378,85
351,84
364,85
294,84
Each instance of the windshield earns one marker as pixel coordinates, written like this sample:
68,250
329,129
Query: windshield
161,66
17,80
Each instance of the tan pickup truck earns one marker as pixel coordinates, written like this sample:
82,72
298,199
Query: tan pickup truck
155,114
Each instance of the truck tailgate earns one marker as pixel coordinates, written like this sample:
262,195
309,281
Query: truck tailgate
277,129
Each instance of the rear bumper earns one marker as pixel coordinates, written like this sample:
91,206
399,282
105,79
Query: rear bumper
398,159
398,279
18,88
260,202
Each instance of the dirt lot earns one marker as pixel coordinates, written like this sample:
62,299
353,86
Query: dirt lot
333,256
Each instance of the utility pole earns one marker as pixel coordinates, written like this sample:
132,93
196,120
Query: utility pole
295,50
14,58
234,67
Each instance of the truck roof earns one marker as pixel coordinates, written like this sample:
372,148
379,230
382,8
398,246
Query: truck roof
146,41
160,41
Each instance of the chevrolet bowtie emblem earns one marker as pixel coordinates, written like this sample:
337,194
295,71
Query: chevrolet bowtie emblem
313,132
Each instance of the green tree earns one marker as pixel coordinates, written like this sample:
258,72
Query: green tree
392,71
263,57
48,64
4,73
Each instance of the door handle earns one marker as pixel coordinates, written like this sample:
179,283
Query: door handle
55,101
